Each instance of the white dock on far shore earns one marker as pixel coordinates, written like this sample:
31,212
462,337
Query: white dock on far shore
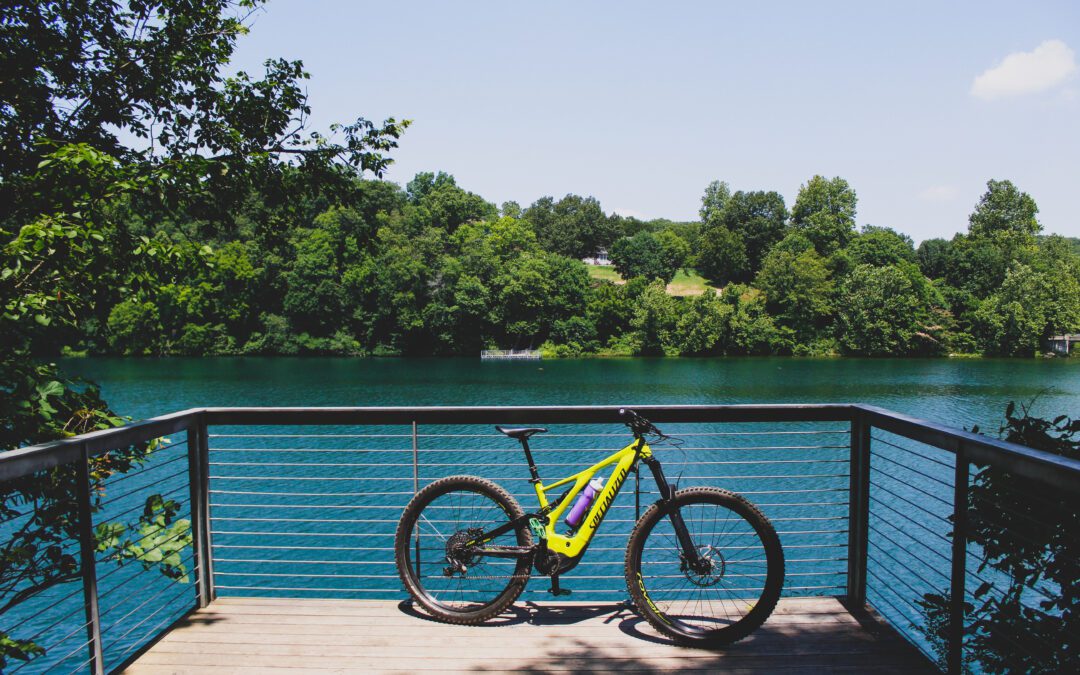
511,354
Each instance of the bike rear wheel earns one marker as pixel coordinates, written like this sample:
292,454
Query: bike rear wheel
735,587
445,576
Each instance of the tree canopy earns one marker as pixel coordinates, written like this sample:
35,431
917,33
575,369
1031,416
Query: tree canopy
824,211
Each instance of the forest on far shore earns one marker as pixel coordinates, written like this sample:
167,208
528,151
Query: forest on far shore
371,268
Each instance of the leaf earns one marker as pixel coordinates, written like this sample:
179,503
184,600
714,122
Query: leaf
52,388
982,589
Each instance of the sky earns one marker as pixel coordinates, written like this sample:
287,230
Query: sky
641,104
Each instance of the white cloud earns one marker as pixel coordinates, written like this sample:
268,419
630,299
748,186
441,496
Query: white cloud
938,193
1019,73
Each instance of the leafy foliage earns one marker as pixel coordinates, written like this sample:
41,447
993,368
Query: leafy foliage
650,256
98,234
574,226
824,211
1027,532
888,310
798,290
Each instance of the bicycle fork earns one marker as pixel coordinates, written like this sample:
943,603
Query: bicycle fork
667,495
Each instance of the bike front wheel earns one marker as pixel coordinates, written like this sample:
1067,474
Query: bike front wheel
733,588
440,571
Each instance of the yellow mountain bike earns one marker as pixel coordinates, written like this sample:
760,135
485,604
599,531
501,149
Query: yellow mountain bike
703,565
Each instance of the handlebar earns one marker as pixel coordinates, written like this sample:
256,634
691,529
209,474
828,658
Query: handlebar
638,424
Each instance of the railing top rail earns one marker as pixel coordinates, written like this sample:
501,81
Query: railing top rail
587,414
33,458
1053,469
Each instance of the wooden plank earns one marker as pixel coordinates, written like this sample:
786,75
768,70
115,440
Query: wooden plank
242,635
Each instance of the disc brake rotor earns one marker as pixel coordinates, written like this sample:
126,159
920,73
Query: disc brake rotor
710,569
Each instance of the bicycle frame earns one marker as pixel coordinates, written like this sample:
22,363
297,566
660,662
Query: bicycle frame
572,546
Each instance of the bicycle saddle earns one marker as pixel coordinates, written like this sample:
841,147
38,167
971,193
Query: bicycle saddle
523,433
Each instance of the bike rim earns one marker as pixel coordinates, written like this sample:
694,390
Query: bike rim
721,593
441,522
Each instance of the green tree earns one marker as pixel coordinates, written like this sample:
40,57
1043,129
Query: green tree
537,290
704,326
721,257
153,70
426,182
798,290
645,255
933,257
888,311
314,298
977,265
450,207
510,209
1002,230
758,220
654,320
1030,306
574,226
610,308
79,80
753,330
576,332
133,326
825,211
1004,209
881,246
716,196
674,250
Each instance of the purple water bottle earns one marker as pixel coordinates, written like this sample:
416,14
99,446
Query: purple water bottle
577,514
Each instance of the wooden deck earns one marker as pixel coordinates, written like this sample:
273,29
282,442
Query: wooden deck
258,635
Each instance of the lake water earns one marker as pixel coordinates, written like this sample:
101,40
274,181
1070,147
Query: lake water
956,392
304,515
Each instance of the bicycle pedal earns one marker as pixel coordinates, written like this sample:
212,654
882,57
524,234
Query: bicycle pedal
559,591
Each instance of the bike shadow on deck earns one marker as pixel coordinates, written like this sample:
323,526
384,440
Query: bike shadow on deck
622,614
531,613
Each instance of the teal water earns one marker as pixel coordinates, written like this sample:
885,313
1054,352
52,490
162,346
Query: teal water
314,516
956,392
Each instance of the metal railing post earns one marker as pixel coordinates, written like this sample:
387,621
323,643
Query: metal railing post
88,561
199,521
858,509
206,545
955,655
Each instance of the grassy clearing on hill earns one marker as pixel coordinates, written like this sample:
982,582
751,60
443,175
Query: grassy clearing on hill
683,284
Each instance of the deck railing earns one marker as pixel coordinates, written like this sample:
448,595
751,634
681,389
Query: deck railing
870,505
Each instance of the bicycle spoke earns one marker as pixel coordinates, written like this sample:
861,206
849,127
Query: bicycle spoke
448,575
712,597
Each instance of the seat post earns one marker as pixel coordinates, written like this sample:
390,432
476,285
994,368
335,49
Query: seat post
528,458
